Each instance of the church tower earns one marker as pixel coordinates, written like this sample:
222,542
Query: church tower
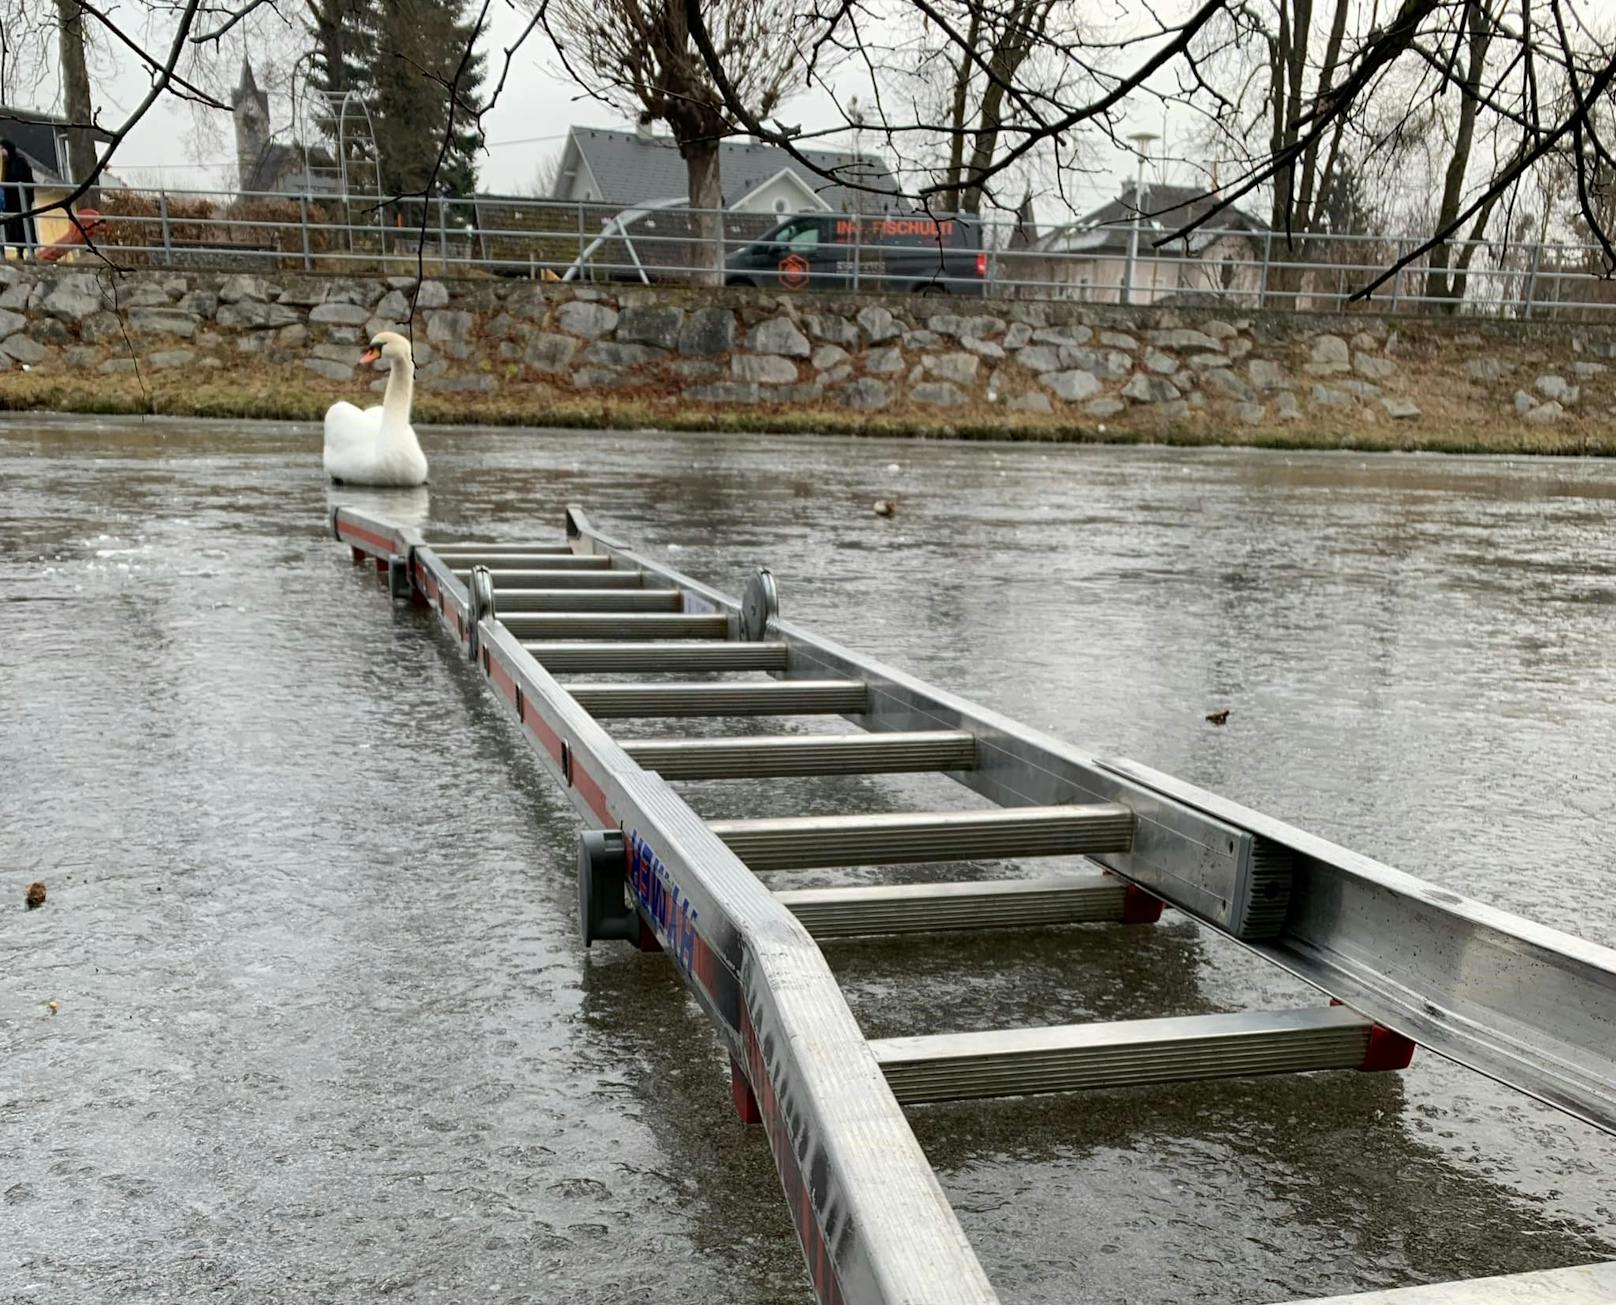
249,106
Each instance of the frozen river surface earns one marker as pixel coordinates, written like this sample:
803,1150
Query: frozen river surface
324,1030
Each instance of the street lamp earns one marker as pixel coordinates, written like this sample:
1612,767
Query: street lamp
1141,141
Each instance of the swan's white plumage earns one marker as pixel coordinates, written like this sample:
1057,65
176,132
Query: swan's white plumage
377,446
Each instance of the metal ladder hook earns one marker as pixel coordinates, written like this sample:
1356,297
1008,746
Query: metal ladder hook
760,604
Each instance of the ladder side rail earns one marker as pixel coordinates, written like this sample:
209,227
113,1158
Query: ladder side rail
1527,1005
1530,1006
1198,864
391,546
880,1227
1518,1001
373,535
443,591
872,1218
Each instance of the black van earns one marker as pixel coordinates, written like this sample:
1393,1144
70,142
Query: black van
914,253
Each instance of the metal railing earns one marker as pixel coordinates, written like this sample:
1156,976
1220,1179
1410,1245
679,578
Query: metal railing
549,239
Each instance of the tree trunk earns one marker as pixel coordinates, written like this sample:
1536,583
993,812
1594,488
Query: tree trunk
1024,23
326,17
1313,183
1299,183
76,103
956,119
707,198
1439,283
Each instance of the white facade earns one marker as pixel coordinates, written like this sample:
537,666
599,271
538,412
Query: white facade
781,194
1228,266
575,183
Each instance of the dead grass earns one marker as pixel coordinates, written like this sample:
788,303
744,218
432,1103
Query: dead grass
290,393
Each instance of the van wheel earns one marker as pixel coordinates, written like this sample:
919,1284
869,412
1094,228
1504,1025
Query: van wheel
930,289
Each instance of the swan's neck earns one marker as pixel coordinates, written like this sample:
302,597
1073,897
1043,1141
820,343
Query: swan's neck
400,390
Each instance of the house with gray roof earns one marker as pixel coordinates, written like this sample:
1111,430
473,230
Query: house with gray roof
1089,257
606,177
620,169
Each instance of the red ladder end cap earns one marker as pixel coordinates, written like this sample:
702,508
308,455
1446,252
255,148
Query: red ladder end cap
1387,1050
1139,907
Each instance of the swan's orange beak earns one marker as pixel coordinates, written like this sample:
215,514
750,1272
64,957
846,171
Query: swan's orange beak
369,356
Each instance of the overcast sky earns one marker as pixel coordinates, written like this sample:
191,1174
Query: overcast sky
528,123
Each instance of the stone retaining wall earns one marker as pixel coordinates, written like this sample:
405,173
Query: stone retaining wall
1030,361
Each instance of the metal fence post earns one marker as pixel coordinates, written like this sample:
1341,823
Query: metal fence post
580,254
1531,282
443,235
303,223
1397,276
162,213
1267,260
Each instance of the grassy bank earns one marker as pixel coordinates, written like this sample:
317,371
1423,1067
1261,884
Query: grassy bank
292,394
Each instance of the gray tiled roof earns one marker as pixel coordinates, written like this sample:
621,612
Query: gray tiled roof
279,170
630,170
1166,208
35,135
274,162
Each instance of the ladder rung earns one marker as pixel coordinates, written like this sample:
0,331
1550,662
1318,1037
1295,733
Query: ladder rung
802,842
472,546
590,578
1072,1057
805,754
744,698
934,908
1582,1284
620,625
529,561
587,600
571,658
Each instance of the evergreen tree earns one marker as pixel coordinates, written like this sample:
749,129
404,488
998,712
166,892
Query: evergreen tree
401,56
1344,205
332,26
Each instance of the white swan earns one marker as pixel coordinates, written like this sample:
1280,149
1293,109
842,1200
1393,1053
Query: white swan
378,446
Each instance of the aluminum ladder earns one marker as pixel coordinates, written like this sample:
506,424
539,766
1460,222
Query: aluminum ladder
1402,961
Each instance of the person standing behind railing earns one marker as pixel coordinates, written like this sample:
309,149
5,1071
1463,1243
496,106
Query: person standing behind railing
16,198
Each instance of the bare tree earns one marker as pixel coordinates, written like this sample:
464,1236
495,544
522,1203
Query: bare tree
1314,81
639,57
1292,47
1003,53
1516,83
1443,281
1007,37
1279,61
